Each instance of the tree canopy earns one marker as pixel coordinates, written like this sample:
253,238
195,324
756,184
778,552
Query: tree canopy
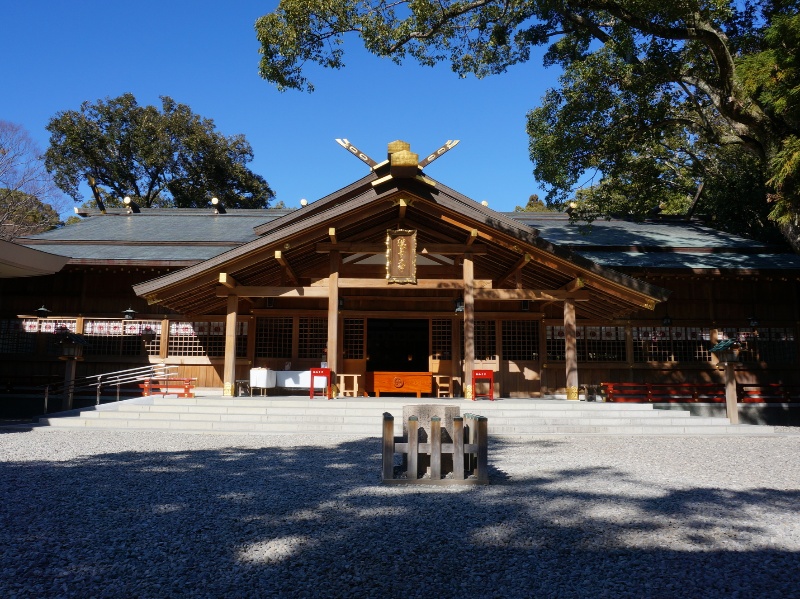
158,157
26,190
655,97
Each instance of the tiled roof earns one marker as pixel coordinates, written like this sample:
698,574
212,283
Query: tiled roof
664,244
193,235
556,228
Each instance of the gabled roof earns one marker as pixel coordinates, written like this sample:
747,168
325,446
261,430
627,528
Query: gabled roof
363,211
153,236
20,261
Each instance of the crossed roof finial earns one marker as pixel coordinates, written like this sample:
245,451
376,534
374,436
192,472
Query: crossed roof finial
400,156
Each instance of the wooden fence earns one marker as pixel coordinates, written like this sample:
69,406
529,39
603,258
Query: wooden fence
469,450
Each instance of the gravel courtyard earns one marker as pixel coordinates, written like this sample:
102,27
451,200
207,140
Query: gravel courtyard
127,514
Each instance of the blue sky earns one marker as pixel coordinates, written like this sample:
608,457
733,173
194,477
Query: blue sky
205,54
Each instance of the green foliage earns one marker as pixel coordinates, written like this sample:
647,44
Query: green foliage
655,97
166,157
534,205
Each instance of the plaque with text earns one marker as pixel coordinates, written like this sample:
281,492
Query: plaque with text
401,256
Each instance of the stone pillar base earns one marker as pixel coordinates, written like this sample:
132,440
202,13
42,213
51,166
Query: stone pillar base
467,391
572,393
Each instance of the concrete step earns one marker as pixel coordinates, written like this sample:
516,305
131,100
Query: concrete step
362,416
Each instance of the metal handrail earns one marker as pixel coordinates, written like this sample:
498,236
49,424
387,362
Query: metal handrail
118,377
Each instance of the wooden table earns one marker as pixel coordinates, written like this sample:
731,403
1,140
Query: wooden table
399,382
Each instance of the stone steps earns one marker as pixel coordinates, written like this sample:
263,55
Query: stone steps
363,416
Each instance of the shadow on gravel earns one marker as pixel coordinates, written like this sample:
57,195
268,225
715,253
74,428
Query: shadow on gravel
316,522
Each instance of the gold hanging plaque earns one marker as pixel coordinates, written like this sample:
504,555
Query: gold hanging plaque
401,256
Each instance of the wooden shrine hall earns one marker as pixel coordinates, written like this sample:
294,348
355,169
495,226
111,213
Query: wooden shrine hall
399,254
403,285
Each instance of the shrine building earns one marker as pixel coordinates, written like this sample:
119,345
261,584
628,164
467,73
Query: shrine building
399,273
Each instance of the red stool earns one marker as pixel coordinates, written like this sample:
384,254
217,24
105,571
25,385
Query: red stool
483,375
326,374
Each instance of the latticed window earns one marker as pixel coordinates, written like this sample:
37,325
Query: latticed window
769,345
204,339
520,340
555,343
15,338
122,337
313,340
55,326
441,338
354,338
274,337
485,340
671,344
601,344
592,344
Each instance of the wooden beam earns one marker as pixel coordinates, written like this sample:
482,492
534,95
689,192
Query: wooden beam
520,264
227,280
473,235
265,291
422,247
535,295
332,234
352,283
573,285
403,204
287,267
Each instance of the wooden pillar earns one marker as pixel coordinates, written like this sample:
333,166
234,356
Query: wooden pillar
69,383
163,346
333,314
543,382
458,448
388,446
436,448
629,345
469,325
455,355
229,371
571,349
731,401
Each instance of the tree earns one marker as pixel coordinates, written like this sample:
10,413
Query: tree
26,190
534,205
166,157
655,97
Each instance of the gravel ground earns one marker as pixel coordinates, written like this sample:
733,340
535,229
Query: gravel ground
127,514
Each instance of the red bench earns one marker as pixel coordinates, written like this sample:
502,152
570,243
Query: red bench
768,393
698,392
664,392
168,386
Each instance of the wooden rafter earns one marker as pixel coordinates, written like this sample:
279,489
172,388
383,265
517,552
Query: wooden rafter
473,235
403,204
332,234
374,283
290,274
573,285
531,295
520,264
269,291
227,280
380,248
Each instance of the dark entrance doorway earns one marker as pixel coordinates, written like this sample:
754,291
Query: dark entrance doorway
397,345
